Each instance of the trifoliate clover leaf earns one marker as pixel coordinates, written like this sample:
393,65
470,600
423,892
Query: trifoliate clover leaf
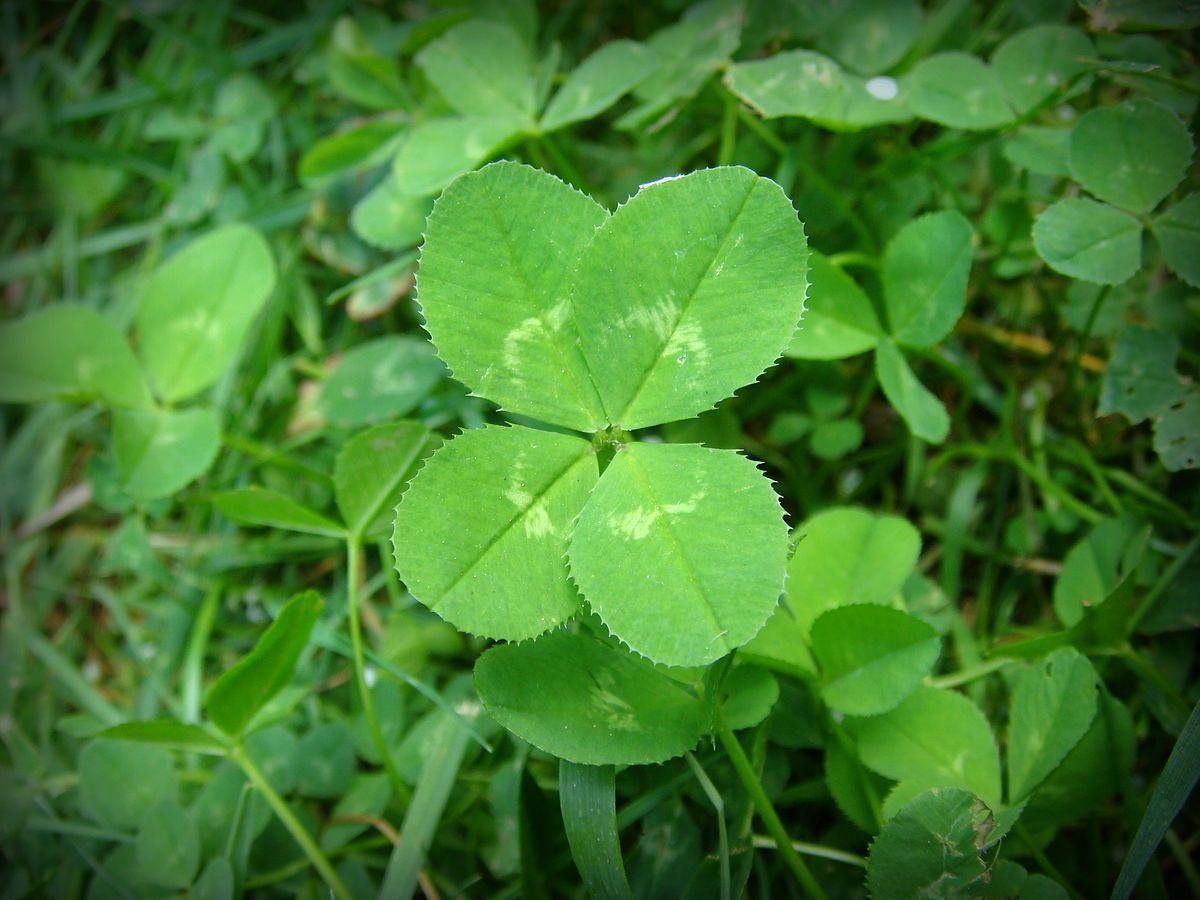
681,551
1131,155
583,701
481,533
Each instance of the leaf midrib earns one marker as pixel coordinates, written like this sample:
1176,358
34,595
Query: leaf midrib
693,577
508,526
690,297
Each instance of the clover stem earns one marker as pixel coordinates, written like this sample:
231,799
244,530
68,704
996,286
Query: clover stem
353,556
766,811
291,823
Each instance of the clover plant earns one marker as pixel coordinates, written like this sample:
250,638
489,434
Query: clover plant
707,449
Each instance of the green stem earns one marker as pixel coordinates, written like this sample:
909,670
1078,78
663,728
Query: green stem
766,811
971,673
292,824
358,657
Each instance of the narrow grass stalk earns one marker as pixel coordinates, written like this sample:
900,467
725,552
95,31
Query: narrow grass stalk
318,859
766,811
353,557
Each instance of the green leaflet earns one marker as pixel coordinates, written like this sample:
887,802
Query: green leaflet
931,848
840,319
158,452
1040,149
924,413
354,148
855,789
271,509
1178,232
1140,380
379,379
1089,240
807,84
596,705
848,555
266,670
1092,568
1053,706
388,218
168,846
1177,434
747,696
957,90
481,533
108,794
871,657
437,151
482,69
361,74
494,286
196,308
689,291
1095,769
925,274
69,352
1038,62
166,733
373,469
871,36
935,738
844,555
598,82
1131,155
681,551
687,54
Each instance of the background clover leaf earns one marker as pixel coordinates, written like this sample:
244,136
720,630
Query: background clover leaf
1131,155
197,307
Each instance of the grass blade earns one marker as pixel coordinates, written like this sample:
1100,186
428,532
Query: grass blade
588,797
425,811
1178,778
